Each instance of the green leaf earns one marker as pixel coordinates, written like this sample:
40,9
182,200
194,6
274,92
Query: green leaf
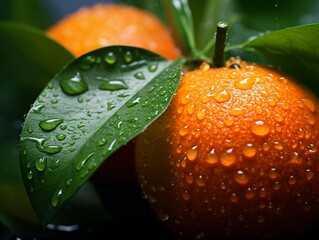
294,49
28,60
91,108
181,21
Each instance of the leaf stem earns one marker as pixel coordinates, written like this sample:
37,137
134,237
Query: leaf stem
221,33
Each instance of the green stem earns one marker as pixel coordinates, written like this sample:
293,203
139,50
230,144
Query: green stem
221,33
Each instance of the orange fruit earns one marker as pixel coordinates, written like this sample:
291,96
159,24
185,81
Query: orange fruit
234,156
113,24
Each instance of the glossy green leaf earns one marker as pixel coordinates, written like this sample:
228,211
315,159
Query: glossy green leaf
295,50
90,109
28,60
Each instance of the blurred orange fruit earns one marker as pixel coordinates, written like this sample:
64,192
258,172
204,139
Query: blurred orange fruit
235,156
113,24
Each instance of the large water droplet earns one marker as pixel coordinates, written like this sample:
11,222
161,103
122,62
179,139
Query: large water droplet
51,149
74,85
152,67
192,153
37,108
139,75
245,84
260,128
60,137
211,157
50,124
79,165
241,178
56,198
41,164
110,58
249,150
228,157
113,85
222,96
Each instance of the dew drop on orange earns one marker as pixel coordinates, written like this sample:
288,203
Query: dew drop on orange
244,84
292,180
278,146
309,174
234,198
310,119
236,111
183,130
189,179
186,196
295,158
201,114
200,181
191,109
273,173
249,193
278,118
229,122
211,157
309,104
249,150
260,128
228,157
222,96
192,153
241,178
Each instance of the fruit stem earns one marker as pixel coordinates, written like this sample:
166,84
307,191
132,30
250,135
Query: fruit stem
221,33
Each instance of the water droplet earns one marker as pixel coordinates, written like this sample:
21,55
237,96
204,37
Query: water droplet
241,178
57,198
201,114
244,84
309,104
189,179
79,165
37,108
50,124
51,149
249,150
88,62
261,219
113,85
110,58
250,193
200,181
236,111
312,148
128,57
273,174
139,75
192,153
228,157
69,182
183,131
41,164
260,128
211,157
110,106
295,158
102,142
222,96
80,99
186,195
60,137
163,216
310,119
30,174
30,130
229,122
63,127
134,102
278,146
292,180
74,85
234,198
152,67
309,174
50,85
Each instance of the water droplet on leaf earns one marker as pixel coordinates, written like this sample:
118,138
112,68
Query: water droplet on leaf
41,164
139,75
50,124
74,85
113,85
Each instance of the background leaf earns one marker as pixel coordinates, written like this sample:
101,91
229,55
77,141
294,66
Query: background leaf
295,50
91,108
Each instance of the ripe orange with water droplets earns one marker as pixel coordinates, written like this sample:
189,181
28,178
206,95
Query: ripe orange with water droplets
235,156
113,24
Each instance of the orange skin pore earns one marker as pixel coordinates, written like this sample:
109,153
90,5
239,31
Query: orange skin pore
113,24
235,156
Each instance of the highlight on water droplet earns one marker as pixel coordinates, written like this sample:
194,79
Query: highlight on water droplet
260,128
222,96
139,75
192,153
74,85
211,157
50,124
112,85
110,58
56,198
241,178
228,157
40,164
128,57
152,67
249,150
